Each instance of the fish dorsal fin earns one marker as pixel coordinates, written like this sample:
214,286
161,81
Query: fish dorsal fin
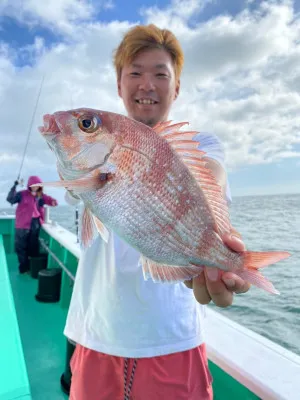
182,142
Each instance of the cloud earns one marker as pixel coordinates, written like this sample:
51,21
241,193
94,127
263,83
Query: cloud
58,14
177,12
241,77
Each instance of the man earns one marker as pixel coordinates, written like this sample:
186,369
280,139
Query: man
138,339
29,218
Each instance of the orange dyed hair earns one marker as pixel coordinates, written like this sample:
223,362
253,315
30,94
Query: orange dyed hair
143,37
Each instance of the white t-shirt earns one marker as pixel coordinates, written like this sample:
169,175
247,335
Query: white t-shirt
115,311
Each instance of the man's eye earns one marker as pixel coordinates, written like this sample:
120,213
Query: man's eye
135,73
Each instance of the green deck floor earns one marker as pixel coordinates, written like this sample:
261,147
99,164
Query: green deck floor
41,328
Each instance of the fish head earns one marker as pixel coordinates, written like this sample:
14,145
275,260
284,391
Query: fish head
81,139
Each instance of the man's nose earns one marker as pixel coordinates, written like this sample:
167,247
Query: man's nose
147,83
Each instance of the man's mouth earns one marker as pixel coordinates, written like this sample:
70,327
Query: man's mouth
146,101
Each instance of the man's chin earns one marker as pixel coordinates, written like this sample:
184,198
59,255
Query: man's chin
150,121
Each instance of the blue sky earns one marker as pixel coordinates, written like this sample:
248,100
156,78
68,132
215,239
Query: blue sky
241,78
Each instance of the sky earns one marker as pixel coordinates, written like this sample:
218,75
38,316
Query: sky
241,79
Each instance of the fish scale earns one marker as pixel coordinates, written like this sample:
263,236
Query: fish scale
145,206
160,195
137,221
135,192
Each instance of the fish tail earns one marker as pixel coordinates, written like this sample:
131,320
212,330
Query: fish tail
255,260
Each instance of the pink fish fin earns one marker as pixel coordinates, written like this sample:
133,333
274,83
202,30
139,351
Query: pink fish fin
187,150
253,260
211,189
88,228
260,259
172,131
78,185
254,277
182,135
101,228
91,226
168,273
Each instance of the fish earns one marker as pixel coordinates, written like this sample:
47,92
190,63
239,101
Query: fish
153,188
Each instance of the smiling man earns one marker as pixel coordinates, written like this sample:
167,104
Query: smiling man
150,102
138,339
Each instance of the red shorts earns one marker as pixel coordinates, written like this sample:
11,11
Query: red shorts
179,376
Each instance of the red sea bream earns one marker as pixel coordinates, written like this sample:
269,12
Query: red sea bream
160,197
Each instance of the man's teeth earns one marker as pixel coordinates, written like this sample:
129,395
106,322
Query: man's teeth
146,101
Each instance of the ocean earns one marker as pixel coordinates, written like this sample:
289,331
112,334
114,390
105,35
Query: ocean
266,223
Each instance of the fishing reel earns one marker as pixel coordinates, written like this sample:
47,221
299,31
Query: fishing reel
19,182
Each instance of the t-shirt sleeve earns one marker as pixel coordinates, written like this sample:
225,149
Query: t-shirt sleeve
71,200
214,149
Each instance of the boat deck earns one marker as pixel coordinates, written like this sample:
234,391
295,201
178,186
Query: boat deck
41,327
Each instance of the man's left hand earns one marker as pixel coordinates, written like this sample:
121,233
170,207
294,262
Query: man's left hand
216,285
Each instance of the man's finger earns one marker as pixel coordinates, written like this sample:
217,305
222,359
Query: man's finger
216,288
234,283
200,291
234,243
189,283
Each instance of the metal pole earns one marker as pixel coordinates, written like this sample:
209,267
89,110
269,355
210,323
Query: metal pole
47,215
77,223
42,241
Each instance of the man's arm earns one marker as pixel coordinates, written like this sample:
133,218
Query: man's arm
14,196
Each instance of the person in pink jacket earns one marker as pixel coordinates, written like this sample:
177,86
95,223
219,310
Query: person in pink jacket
30,214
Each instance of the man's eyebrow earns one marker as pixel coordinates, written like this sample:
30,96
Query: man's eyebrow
161,66
135,65
158,66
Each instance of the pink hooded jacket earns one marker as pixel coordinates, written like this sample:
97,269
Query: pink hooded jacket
26,204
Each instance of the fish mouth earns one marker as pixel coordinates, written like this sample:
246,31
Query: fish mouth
50,127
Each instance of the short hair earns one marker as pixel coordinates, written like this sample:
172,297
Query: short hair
144,37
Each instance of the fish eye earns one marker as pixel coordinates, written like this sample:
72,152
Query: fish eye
89,124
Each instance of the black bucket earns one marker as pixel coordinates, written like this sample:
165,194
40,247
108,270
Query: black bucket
37,264
49,285
66,377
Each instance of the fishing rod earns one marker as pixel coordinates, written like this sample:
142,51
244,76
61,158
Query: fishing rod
76,207
30,127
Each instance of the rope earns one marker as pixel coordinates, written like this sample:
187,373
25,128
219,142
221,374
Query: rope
127,390
30,127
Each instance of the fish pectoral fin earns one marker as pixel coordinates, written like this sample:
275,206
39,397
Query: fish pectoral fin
168,273
86,184
91,226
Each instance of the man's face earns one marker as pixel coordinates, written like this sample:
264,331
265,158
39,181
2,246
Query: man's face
148,86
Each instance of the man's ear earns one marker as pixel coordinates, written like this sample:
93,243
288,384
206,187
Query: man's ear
177,90
119,88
